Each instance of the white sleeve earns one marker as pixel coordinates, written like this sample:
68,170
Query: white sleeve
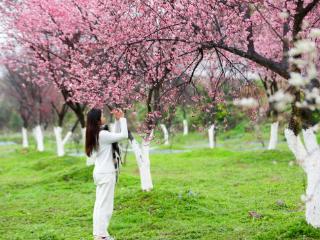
107,137
117,126
92,159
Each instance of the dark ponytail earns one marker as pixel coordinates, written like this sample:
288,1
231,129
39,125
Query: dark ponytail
92,131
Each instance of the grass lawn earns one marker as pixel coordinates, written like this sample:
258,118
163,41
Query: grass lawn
201,194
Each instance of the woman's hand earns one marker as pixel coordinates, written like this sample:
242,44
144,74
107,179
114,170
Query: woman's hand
117,113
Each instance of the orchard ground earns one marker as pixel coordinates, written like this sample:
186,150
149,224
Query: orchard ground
230,192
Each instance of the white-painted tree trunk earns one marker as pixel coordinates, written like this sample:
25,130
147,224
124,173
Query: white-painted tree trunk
273,136
295,145
25,143
83,134
312,166
308,156
146,164
143,161
38,135
185,127
211,132
59,141
67,137
165,134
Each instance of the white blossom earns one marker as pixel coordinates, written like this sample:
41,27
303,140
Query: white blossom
284,14
315,33
312,71
304,104
305,24
298,61
317,101
281,99
303,46
246,102
253,76
313,94
296,79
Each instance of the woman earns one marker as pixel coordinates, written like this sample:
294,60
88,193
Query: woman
99,148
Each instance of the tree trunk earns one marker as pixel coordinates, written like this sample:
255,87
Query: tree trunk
273,136
83,135
185,127
25,143
143,161
146,164
59,141
67,137
78,109
69,134
165,134
308,156
211,133
295,123
39,138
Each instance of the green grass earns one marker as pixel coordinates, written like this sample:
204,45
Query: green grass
202,194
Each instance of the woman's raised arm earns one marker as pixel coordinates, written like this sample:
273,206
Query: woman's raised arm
107,137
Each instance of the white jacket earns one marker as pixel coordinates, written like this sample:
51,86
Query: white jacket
103,159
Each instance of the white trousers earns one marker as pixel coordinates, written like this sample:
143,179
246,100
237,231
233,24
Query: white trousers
103,206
